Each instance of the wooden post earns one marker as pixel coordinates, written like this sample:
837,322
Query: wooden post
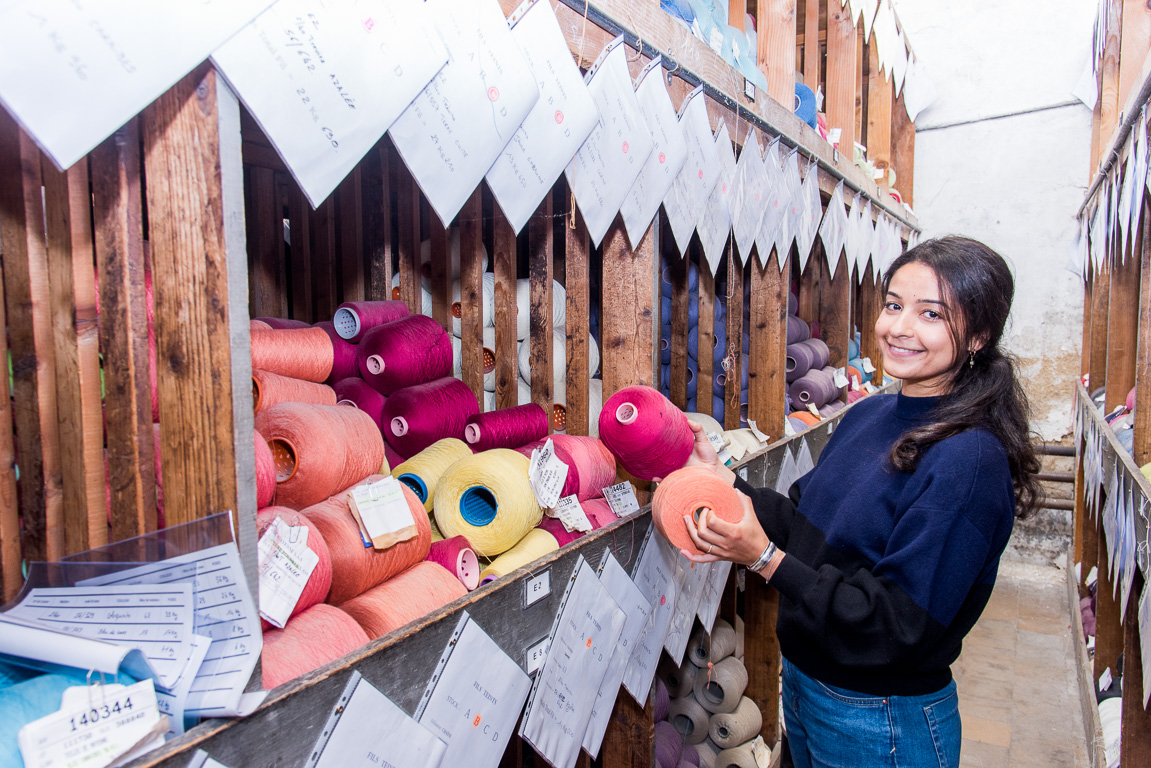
732,373
300,231
541,251
677,269
903,150
1136,731
861,61
124,333
1133,46
705,362
377,222
441,276
323,252
1100,298
504,260
11,573
736,10
809,284
266,238
408,218
577,256
1109,103
1108,628
811,50
72,275
835,310
471,297
767,382
776,48
870,305
761,652
1122,327
1142,441
192,142
351,202
630,735
879,93
842,77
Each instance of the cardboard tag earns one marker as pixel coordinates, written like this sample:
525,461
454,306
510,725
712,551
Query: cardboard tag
833,136
760,751
788,430
547,475
868,366
571,514
621,498
755,430
286,563
383,512
720,446
840,377
96,726
811,407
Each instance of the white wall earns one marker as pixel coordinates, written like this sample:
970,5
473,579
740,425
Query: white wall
1002,156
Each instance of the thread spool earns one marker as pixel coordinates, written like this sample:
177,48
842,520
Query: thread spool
356,568
659,700
598,512
798,361
392,458
282,323
667,745
524,303
708,423
857,364
738,653
487,499
679,679
719,691
707,753
487,299
320,580
357,393
594,464
509,428
792,303
487,358
720,386
301,353
733,728
806,418
852,349
811,389
797,330
561,534
535,544
559,361
742,756
319,449
270,389
457,556
405,352
714,647
686,491
265,471
1130,402
689,719
425,292
343,354
423,471
258,325
647,434
402,599
419,415
560,410
353,319
832,408
690,756
315,637
820,352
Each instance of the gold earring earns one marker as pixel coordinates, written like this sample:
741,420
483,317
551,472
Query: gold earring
971,360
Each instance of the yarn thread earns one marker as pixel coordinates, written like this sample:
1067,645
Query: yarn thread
270,389
509,428
731,729
689,719
704,647
458,557
300,353
719,691
282,323
353,319
265,471
315,637
424,470
487,499
534,545
405,352
357,393
413,594
687,491
343,354
417,416
667,745
648,435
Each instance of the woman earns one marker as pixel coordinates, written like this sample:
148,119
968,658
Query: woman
885,554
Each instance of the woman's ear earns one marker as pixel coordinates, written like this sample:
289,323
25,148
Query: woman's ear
978,343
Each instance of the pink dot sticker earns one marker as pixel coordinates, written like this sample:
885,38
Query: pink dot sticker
725,188
493,93
701,173
559,117
663,599
625,147
662,159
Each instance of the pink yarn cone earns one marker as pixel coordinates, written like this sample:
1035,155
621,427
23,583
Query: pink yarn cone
647,434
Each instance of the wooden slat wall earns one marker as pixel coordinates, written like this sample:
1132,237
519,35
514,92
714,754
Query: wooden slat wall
541,255
776,31
577,266
843,74
903,150
706,329
879,93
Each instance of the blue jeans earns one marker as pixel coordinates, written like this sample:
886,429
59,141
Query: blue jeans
829,727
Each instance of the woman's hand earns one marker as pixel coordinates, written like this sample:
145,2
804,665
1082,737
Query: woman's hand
703,455
741,542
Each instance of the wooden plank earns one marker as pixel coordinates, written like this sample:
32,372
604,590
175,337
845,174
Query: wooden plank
577,254
809,291
1142,434
767,382
776,49
630,734
188,163
408,218
471,297
903,150
761,653
351,212
879,94
811,48
861,60
1109,103
1122,327
300,231
375,192
1136,729
835,310
72,277
705,365
541,251
115,167
842,80
732,360
677,270
504,261
736,11
1134,46
870,305
323,251
266,247
11,573
1081,522
1100,293
441,276
1108,628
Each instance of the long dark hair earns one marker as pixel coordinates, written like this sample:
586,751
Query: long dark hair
976,284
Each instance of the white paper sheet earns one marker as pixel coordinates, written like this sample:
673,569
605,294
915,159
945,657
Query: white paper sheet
851,233
810,215
655,577
557,125
1145,642
1126,551
457,126
1139,169
25,640
833,230
104,60
714,224
583,640
690,578
325,80
636,608
775,209
372,732
787,474
667,157
918,90
793,183
225,612
473,705
174,701
698,175
749,198
713,593
609,162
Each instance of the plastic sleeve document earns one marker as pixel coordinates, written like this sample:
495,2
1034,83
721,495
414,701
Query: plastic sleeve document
785,233
692,577
696,179
103,59
655,577
667,157
749,196
583,640
458,125
608,163
325,79
714,224
557,125
774,210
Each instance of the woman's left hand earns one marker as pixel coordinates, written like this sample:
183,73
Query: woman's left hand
741,542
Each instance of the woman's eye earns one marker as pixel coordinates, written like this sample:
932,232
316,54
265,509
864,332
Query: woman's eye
891,305
932,315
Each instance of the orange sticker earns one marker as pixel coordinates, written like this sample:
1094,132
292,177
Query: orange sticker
589,642
476,722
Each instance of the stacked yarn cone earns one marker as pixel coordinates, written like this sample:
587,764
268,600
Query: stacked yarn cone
709,721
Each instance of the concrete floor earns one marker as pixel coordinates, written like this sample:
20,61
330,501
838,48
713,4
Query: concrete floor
1018,688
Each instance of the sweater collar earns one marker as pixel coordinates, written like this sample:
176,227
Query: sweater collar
914,408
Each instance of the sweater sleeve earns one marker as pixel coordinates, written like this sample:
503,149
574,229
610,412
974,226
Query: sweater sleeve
775,512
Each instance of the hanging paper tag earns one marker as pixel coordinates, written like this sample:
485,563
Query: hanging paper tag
720,446
571,514
811,407
854,383
547,475
760,751
286,563
841,377
788,430
383,512
621,498
755,430
93,730
868,366
833,136
871,388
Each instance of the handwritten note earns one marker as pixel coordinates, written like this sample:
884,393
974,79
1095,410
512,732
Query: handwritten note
569,512
608,163
714,223
793,183
655,578
285,563
458,125
691,579
173,702
104,60
778,197
225,612
811,213
547,474
667,157
712,593
833,230
557,125
749,201
583,640
696,179
156,619
473,703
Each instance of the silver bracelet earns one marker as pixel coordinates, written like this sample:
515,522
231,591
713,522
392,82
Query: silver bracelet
764,558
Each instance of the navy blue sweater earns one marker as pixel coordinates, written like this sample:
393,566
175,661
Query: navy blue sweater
886,572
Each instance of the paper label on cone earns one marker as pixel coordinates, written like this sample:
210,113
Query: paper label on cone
547,475
285,564
755,430
868,366
621,498
383,512
569,512
840,377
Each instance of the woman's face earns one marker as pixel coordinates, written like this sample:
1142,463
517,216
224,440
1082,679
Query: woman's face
914,332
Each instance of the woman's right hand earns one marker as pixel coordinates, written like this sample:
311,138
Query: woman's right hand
703,454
